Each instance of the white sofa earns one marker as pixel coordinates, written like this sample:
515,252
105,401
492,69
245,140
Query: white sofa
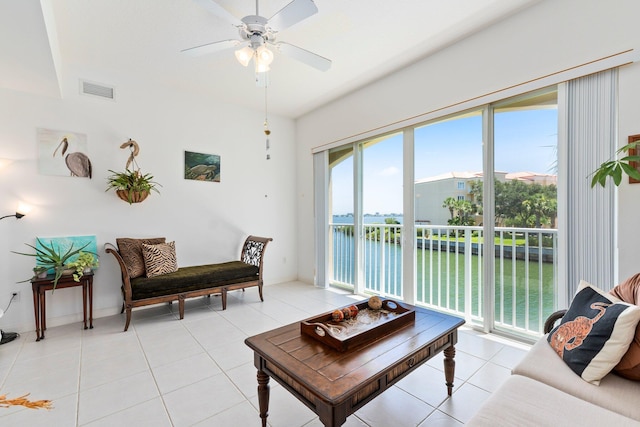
544,391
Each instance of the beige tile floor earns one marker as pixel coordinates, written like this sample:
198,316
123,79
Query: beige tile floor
199,372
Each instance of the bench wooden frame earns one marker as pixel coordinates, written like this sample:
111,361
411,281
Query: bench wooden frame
127,294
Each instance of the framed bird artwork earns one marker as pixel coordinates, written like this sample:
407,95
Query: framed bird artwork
63,153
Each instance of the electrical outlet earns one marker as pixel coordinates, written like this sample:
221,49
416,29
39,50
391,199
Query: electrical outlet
16,296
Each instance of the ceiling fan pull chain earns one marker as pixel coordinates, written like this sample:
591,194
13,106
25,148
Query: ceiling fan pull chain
266,123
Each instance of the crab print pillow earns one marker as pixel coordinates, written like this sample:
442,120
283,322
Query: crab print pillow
594,333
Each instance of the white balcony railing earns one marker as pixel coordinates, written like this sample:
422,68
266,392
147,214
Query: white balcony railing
449,270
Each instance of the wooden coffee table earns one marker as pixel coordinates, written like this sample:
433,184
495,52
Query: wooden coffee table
335,384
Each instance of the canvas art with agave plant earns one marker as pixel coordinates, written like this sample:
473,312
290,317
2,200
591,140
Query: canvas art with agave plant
62,253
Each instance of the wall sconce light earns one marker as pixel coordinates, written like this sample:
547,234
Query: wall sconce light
22,210
4,163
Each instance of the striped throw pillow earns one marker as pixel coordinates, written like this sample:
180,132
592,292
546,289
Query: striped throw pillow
159,259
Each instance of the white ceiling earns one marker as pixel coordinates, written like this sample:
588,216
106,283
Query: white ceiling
115,41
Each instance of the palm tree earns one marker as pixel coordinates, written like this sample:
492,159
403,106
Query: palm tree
541,208
451,204
464,209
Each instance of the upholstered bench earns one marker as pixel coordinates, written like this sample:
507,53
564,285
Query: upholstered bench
145,280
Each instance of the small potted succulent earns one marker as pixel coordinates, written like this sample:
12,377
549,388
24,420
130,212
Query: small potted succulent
132,186
40,272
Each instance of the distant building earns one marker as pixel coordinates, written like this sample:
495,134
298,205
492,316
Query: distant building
431,192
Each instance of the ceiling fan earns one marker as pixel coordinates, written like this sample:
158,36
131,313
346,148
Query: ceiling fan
258,34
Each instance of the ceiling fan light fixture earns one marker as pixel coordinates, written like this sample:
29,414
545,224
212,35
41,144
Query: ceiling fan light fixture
255,31
261,67
263,58
264,55
244,55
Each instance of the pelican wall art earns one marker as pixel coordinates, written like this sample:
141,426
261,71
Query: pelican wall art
63,153
201,167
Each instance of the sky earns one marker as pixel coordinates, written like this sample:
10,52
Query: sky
524,141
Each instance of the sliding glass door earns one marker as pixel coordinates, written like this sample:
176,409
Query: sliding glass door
483,235
382,215
448,216
342,258
526,210
365,188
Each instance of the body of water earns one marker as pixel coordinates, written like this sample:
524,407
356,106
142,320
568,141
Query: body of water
368,219
523,289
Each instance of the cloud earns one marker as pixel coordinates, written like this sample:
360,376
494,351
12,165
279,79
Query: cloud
391,170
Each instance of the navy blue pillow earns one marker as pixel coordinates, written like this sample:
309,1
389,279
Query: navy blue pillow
594,333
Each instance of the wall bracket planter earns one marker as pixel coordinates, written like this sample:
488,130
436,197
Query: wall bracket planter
131,185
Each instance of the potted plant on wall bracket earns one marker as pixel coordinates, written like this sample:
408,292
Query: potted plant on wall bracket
614,169
132,186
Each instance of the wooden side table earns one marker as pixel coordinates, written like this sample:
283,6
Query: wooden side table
40,286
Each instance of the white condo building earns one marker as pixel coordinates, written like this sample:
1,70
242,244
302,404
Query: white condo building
431,192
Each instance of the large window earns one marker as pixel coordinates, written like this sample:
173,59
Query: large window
365,230
448,157
487,172
382,215
342,268
525,198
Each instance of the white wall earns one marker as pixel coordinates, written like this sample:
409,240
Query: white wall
551,36
208,221
628,194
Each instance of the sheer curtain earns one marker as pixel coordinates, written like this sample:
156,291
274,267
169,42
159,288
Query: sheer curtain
591,131
321,213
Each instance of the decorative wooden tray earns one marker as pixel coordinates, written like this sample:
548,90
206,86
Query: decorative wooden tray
368,325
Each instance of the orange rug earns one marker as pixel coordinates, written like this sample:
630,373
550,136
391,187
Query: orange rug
23,401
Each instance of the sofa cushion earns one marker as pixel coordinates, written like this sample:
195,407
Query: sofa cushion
131,252
594,333
620,395
159,259
629,366
252,251
524,402
194,278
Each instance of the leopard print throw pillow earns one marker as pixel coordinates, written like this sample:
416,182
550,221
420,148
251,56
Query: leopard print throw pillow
159,259
131,252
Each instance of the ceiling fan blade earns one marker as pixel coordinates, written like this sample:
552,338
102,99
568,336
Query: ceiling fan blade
316,61
293,13
214,47
219,11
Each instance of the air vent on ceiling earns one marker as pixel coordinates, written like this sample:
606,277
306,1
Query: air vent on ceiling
96,89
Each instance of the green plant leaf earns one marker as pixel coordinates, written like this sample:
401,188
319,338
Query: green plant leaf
615,168
597,177
616,174
631,171
630,159
626,148
603,180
